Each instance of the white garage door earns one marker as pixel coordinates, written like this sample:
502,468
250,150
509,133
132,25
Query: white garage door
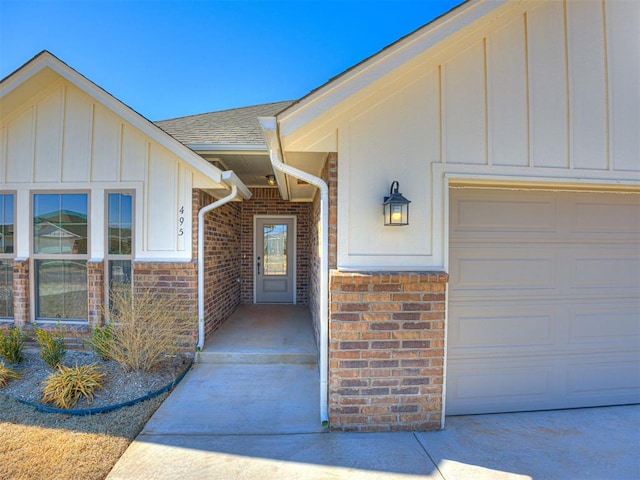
544,300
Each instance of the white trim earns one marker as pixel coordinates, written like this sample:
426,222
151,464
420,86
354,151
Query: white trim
251,148
295,250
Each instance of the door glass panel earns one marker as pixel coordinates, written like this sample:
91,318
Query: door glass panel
275,249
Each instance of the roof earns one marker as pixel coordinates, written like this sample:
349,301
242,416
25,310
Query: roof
233,126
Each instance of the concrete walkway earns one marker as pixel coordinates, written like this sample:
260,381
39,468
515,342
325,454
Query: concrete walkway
260,421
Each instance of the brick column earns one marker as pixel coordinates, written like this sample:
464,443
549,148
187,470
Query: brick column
386,350
95,292
21,289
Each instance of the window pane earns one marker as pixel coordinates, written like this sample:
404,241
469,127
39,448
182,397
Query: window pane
60,223
119,272
6,289
120,223
275,249
6,223
61,289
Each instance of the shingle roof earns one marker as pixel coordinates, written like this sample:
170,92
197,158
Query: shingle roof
237,125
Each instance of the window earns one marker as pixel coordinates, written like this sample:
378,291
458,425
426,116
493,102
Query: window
119,238
60,241
7,224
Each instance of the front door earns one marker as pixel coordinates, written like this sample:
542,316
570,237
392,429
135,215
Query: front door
274,262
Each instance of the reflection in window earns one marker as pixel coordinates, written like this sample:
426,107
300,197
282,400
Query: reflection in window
6,289
61,287
60,223
275,249
6,223
60,230
120,223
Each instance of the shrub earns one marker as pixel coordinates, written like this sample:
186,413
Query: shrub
147,326
101,341
6,374
12,344
52,348
65,387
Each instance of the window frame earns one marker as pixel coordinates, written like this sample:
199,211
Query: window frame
10,257
108,257
85,257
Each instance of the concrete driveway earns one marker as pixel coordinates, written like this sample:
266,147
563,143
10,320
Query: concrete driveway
594,443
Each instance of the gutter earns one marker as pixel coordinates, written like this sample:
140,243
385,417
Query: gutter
270,127
238,189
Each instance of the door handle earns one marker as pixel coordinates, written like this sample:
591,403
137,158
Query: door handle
258,265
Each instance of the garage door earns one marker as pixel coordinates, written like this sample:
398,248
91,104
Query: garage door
544,300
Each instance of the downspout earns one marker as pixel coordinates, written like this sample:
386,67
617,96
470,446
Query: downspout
269,125
201,213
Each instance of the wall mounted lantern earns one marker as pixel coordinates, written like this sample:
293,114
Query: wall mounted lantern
271,180
395,207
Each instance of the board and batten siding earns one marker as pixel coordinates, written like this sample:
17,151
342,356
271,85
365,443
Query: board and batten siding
63,139
533,92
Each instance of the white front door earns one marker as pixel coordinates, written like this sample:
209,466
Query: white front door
274,260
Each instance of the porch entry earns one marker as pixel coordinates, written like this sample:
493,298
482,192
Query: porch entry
274,259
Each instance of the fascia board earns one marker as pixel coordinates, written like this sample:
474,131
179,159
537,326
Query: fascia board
229,147
381,63
47,60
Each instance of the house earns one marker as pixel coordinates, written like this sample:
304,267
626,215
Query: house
510,126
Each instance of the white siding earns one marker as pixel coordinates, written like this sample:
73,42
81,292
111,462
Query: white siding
548,99
49,138
78,124
507,95
537,92
464,111
65,139
623,48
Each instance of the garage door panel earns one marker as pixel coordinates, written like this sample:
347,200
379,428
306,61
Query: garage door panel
506,388
611,327
490,215
473,328
542,321
604,376
606,217
496,269
600,269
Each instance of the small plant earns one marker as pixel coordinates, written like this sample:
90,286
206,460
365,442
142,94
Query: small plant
147,326
101,341
12,344
7,374
65,387
52,348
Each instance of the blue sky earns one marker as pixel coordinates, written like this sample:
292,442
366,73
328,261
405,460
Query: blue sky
168,59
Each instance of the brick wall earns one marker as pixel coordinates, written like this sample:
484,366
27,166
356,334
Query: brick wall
222,254
267,201
386,350
95,292
178,280
330,176
21,293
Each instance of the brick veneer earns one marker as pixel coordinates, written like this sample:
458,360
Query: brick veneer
330,176
178,280
21,293
95,292
267,201
386,351
222,254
